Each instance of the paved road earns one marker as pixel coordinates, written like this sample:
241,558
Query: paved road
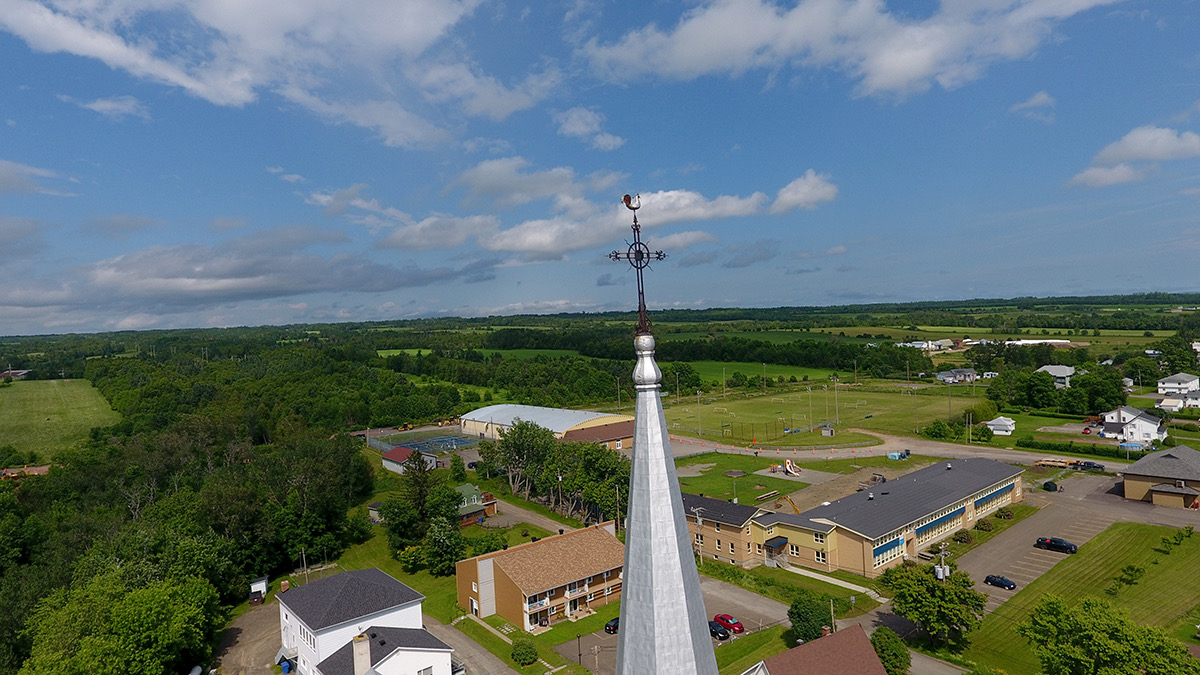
478,660
509,514
753,610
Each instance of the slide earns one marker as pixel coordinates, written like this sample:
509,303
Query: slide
790,468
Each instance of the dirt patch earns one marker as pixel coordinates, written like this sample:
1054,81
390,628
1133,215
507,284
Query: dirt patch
735,473
692,470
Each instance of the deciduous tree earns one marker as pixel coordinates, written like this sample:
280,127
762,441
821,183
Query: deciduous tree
940,607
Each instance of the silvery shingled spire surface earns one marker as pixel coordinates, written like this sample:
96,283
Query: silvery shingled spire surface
664,627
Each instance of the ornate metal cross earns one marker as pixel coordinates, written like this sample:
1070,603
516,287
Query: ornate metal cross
639,256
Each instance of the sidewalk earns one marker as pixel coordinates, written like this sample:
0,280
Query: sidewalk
838,582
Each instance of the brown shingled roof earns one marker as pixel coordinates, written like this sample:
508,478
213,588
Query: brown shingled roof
846,652
601,433
557,561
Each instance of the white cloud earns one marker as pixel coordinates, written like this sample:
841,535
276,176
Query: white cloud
1038,107
22,178
681,240
116,108
1104,176
1151,143
885,51
504,181
439,231
292,178
585,123
481,95
805,192
397,126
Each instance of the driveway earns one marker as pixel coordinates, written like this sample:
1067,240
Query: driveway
250,643
599,649
509,514
477,660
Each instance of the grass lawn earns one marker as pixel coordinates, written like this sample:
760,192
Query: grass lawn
852,464
47,415
500,648
786,586
762,420
499,488
713,483
1166,596
736,656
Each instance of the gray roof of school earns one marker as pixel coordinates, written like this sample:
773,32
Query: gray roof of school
718,510
346,596
557,420
384,641
1058,371
1179,378
1178,463
906,499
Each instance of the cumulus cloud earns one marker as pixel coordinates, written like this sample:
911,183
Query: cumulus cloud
745,255
681,240
20,236
609,279
439,231
1151,143
806,192
698,258
1038,107
115,108
1104,176
885,51
587,124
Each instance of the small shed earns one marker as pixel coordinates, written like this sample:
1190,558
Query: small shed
258,591
373,512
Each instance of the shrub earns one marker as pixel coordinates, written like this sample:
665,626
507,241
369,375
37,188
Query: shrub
524,652
985,525
1004,513
891,650
964,537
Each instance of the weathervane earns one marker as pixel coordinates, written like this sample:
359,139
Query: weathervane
639,256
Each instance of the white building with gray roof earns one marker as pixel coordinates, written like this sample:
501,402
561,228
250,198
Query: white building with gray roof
489,422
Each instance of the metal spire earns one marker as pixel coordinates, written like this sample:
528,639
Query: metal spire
664,626
639,256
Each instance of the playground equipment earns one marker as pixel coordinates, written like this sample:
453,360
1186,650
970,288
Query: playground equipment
790,468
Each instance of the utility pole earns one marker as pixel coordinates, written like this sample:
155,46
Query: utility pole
618,392
810,413
837,414
949,409
699,433
764,380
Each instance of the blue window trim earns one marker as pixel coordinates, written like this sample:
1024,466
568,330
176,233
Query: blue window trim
884,548
991,495
928,526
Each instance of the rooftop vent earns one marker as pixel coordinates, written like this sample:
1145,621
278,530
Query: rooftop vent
870,495
824,503
948,467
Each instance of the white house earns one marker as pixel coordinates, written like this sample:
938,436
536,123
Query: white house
1061,374
1133,426
1171,403
956,375
1002,426
1179,383
319,620
394,459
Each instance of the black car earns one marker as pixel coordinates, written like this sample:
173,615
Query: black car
1056,544
612,626
717,630
1090,466
1050,486
1000,582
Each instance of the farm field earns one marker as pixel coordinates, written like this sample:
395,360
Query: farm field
1165,596
710,371
48,415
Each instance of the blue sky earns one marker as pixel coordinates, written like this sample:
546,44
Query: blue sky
213,163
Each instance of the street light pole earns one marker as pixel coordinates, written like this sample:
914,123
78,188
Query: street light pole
579,649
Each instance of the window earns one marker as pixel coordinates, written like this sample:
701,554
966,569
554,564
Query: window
821,557
819,537
718,527
771,530
588,581
474,587
591,596
793,550
619,444
425,671
731,547
554,609
718,544
699,540
747,532
747,547
550,593
758,549
608,590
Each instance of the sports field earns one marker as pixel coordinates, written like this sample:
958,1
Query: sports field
1165,596
48,415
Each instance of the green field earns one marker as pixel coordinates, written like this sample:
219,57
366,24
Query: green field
1166,596
713,483
48,415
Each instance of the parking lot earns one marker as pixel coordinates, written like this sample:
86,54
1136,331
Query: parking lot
599,649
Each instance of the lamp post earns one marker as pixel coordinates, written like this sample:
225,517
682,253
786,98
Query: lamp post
579,649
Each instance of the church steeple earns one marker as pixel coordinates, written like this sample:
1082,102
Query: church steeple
664,626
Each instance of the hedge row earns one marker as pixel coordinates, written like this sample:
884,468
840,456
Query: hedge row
1009,410
1071,447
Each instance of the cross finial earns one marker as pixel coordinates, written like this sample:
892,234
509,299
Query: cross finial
639,256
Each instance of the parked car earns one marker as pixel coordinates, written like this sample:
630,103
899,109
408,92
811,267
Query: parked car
729,623
1000,582
1087,431
471,465
1056,544
612,626
1089,466
717,630
1050,486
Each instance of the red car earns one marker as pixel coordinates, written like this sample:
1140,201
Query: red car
729,623
1087,431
